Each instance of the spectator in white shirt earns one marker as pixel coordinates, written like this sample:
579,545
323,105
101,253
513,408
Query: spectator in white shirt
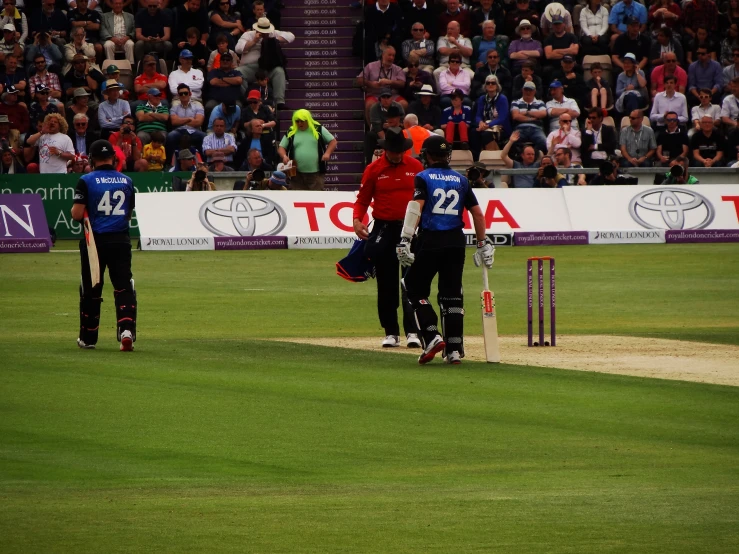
55,148
193,78
704,109
560,105
453,43
669,101
594,29
565,137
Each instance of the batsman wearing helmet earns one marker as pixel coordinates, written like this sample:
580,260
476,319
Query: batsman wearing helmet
106,197
440,197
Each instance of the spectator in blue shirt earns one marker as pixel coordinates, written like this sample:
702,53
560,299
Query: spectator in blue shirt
492,118
230,113
457,119
621,13
704,73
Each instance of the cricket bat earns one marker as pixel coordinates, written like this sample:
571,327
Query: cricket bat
489,321
92,251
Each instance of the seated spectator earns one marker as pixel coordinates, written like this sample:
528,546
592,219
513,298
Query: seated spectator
631,42
560,105
527,74
9,162
12,76
704,73
88,20
552,12
454,78
599,141
565,137
412,130
594,29
707,145
17,113
669,101
81,105
609,175
112,111
625,13
457,119
113,73
81,135
668,69
117,31
548,177
524,48
152,116
264,89
638,144
225,83
492,67
200,184
682,177
563,158
730,107
382,75
84,76
153,30
486,43
218,163
255,109
42,46
52,21
41,107
222,47
664,14
518,18
185,161
672,141
258,11
702,39
728,46
186,74
422,49
528,161
219,141
631,87
257,138
425,109
230,113
665,44
225,21
573,82
187,117
309,145
253,160
732,150
492,117
10,15
44,77
194,43
528,114
488,10
415,78
10,138
191,14
704,109
558,44
730,71
454,42
9,44
265,39
454,13
54,146
383,115
154,152
600,90
80,164
149,78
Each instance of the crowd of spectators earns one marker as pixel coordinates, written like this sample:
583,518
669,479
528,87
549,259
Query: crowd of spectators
579,82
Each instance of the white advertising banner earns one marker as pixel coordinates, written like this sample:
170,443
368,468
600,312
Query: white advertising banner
652,236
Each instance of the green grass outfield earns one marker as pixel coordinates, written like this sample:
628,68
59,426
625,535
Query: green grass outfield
210,439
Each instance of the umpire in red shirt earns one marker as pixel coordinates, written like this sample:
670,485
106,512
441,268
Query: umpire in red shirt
388,182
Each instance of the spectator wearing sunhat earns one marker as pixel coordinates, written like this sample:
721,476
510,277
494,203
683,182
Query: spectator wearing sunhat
41,107
554,10
152,116
80,104
218,163
184,160
17,113
525,48
277,181
225,82
112,110
186,74
112,72
117,31
426,109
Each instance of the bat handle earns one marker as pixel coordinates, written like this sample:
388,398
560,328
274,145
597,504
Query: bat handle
485,285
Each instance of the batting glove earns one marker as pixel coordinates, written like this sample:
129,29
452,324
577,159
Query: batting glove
485,253
403,251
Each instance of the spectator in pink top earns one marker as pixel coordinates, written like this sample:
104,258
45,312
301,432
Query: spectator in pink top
454,78
380,75
669,68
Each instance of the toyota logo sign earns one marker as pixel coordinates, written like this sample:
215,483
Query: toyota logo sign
242,215
671,208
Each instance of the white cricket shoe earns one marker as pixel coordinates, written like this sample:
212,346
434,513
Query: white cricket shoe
453,358
126,341
412,340
83,344
391,341
436,345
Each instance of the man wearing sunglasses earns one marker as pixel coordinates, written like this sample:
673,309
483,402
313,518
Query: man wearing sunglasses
669,68
422,48
704,73
704,108
492,67
187,118
731,71
672,141
638,144
81,135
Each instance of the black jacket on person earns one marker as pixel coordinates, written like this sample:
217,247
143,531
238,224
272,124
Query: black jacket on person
90,137
504,78
377,25
430,116
609,143
428,17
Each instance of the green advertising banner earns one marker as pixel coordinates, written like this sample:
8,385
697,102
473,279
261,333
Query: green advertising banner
57,193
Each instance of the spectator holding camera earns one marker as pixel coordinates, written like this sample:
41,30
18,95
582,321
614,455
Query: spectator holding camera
199,180
130,145
679,174
609,175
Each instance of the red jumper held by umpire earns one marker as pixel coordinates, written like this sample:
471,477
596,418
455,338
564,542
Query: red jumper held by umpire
107,197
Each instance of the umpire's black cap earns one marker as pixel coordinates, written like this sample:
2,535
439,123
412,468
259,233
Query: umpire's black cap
101,150
436,144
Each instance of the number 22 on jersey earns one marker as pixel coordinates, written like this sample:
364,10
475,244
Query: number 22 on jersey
449,197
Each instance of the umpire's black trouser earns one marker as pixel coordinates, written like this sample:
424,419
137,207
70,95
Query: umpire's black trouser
380,249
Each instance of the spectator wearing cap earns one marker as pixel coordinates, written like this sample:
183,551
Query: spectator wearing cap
415,78
12,76
17,113
113,73
11,137
631,87
554,11
525,48
382,75
632,41
425,108
620,15
420,47
572,79
309,145
383,115
83,75
527,74
184,160
218,163
39,109
80,104
153,30
149,78
559,43
81,135
523,12
456,119
594,29
528,114
187,117
9,44
638,143
704,73
51,21
222,47
117,31
112,111
219,141
200,52
454,78
492,67
453,43
669,101
492,121
256,110
249,48
193,13
10,15
87,19
44,77
560,105
188,75
230,112
152,116
225,82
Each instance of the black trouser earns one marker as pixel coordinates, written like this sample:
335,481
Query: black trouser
448,263
116,257
380,249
